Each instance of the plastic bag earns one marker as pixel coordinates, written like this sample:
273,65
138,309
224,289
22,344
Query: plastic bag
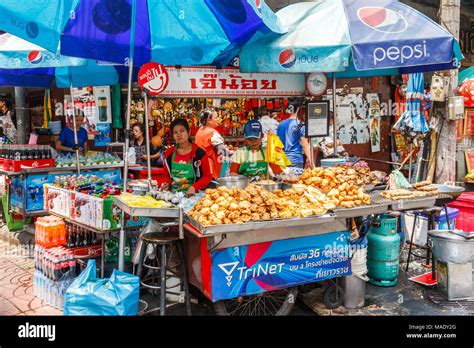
397,180
89,295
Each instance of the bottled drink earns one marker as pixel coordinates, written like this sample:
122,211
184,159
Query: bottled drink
102,101
23,153
29,153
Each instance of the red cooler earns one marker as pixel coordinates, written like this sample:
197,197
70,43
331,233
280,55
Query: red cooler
465,204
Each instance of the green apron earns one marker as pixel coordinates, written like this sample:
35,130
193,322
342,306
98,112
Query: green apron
182,175
254,168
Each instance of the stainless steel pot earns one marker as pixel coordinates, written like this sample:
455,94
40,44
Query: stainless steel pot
238,181
449,247
269,187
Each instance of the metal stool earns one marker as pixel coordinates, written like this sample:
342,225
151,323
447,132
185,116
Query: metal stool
166,244
432,213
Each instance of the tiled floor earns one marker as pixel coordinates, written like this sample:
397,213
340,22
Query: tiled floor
16,285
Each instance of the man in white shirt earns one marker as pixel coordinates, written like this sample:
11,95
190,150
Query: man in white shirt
269,123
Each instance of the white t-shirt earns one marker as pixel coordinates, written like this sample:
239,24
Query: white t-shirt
268,124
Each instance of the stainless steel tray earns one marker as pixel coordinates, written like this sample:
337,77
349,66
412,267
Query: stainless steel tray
361,210
414,203
147,212
260,225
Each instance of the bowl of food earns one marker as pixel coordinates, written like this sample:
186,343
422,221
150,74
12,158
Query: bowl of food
238,181
268,185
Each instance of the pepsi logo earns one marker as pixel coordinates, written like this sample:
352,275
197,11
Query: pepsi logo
35,57
287,58
383,19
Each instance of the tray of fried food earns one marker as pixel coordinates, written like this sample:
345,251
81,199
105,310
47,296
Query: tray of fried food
235,206
348,195
401,194
427,187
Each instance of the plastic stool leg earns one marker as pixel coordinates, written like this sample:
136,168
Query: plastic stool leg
163,281
185,277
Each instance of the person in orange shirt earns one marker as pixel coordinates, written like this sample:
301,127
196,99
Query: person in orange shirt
208,138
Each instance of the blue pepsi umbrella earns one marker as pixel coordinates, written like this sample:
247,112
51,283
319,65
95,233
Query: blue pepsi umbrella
36,78
173,32
352,38
413,120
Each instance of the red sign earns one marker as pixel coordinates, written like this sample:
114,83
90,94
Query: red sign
153,77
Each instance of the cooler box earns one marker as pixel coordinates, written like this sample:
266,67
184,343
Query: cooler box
157,174
465,204
421,228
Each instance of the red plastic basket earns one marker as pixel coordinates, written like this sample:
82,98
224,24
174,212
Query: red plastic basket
465,204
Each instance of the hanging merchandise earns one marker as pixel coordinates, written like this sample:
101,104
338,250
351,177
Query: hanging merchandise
467,91
413,122
455,108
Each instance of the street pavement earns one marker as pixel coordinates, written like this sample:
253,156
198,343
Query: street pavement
406,298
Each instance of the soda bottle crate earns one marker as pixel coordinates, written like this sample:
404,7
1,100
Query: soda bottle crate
18,165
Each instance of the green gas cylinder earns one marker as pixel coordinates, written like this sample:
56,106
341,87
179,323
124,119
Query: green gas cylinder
383,251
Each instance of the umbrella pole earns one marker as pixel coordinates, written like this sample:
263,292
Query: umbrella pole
78,164
334,108
121,263
147,140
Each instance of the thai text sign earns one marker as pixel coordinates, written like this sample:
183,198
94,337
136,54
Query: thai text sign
257,268
229,82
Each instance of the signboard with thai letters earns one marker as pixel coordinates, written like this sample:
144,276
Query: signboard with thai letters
229,82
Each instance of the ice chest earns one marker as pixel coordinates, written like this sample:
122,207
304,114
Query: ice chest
421,228
465,204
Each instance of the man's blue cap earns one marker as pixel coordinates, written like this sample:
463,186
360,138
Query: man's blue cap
253,129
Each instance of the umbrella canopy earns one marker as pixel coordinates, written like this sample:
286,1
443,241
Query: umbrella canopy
90,74
174,32
352,38
413,120
467,73
36,78
16,53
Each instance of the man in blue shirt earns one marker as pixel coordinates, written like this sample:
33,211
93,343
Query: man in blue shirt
66,143
291,133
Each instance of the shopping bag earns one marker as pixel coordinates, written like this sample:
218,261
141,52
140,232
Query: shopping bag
89,295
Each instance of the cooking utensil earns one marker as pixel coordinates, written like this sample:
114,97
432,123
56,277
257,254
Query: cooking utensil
270,187
238,181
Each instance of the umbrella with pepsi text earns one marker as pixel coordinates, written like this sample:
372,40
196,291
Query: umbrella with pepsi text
173,32
352,38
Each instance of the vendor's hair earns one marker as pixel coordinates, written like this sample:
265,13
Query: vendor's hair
205,115
140,126
179,122
294,103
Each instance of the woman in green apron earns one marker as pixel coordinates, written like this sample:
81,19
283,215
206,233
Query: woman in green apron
250,160
186,165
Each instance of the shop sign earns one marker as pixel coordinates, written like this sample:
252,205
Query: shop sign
229,82
153,77
256,268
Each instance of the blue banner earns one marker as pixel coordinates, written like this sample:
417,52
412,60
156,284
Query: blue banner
257,268
102,138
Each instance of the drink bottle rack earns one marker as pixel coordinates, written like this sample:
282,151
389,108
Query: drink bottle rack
19,165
